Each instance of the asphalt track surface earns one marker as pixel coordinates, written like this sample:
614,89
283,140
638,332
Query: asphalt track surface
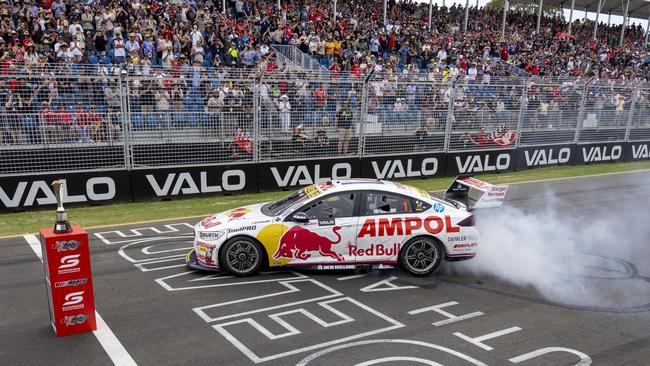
164,314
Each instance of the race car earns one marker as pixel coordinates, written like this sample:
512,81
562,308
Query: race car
346,224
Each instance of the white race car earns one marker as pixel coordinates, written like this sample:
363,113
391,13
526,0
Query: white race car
346,224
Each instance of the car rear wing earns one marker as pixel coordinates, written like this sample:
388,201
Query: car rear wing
474,193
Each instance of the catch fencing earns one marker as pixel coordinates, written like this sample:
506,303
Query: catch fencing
90,118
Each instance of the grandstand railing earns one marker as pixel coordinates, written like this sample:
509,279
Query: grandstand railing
91,119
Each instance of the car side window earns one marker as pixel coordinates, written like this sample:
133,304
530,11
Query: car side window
383,203
420,206
331,206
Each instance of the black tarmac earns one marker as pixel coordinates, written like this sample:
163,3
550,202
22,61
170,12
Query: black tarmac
163,314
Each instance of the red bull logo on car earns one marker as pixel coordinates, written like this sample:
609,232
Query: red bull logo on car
375,250
405,226
297,242
237,213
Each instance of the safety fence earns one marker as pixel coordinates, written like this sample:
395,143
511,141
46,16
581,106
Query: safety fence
94,121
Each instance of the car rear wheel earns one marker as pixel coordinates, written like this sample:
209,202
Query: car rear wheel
242,256
421,256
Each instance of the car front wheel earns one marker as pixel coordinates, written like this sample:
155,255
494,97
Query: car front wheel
421,256
241,256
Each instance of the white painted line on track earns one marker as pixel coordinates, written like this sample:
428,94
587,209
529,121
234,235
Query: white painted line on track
111,344
115,350
352,277
35,244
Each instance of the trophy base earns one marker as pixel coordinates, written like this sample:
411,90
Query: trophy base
61,227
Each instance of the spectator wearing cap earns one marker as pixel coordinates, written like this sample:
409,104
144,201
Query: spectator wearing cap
132,46
284,107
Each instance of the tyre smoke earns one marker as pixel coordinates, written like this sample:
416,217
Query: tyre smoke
578,253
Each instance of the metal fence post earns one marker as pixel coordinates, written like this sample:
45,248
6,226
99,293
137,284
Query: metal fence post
256,117
364,113
126,122
581,111
522,110
450,114
635,95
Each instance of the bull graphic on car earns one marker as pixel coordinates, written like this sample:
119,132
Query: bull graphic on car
297,241
348,222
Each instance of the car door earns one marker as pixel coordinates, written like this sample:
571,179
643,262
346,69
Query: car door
327,233
383,225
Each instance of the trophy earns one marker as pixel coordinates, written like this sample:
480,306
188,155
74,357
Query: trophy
61,225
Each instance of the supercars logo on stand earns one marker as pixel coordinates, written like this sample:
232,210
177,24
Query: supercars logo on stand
74,319
298,241
63,246
69,264
68,283
73,301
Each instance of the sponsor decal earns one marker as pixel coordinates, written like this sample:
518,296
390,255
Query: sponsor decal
325,267
601,153
237,213
476,183
183,183
73,301
497,191
438,207
63,246
68,283
210,235
209,222
374,250
540,157
312,191
69,264
74,319
243,228
392,169
482,163
452,239
206,245
262,222
300,175
640,151
464,245
297,242
326,222
40,192
398,226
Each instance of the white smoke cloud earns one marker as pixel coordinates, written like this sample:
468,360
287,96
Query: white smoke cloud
568,254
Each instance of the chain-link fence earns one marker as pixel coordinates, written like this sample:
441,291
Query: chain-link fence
65,118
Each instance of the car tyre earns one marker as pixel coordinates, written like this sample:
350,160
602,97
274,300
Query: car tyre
242,256
421,256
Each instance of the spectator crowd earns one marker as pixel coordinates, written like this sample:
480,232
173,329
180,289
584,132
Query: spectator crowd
183,48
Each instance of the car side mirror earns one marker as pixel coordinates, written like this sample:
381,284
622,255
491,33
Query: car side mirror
300,217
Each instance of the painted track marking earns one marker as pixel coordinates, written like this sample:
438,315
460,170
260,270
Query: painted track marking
113,347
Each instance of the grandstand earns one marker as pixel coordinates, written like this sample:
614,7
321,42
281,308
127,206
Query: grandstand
145,84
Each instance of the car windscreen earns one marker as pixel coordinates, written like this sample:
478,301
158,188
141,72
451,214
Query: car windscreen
275,208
